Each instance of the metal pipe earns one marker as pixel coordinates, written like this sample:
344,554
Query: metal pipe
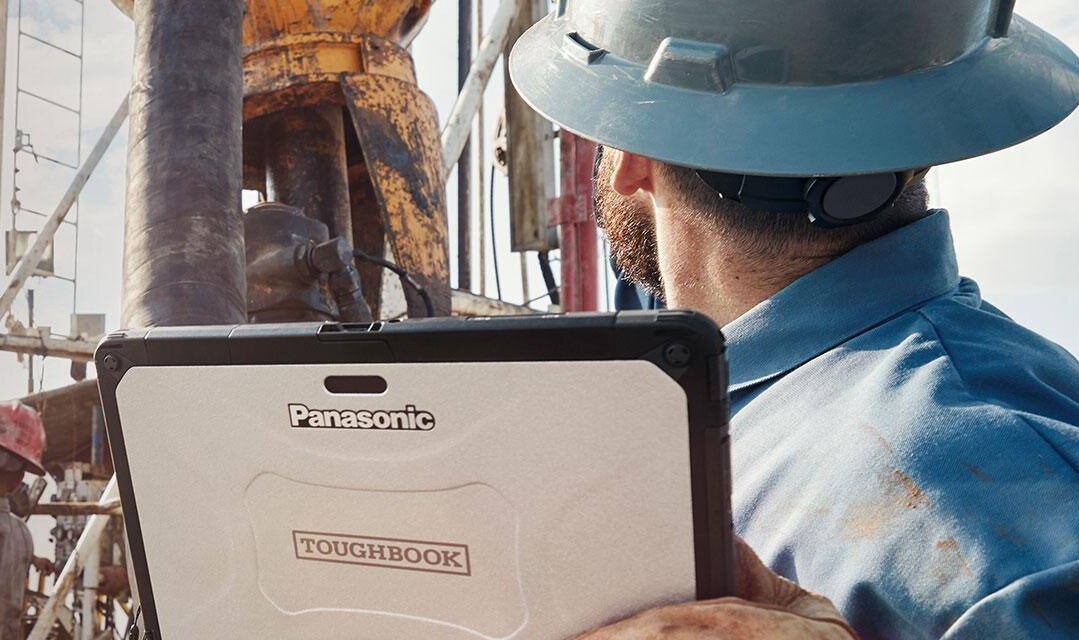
76,350
97,437
464,161
55,509
481,173
466,303
91,578
306,165
3,80
183,231
43,239
459,123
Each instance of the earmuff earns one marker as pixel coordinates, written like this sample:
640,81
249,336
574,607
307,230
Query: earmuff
829,201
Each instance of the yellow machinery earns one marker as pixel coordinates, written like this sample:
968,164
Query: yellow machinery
310,69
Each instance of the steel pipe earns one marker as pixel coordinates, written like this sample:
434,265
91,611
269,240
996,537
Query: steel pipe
464,162
183,232
306,165
75,350
459,123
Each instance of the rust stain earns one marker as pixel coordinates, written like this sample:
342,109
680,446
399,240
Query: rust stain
873,518
1010,535
915,498
978,473
871,430
950,562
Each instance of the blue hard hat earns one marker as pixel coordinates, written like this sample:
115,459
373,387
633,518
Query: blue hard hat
797,88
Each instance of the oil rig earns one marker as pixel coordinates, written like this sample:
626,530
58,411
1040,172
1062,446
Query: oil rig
314,105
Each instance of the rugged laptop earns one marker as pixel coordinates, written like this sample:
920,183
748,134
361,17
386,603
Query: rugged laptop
528,477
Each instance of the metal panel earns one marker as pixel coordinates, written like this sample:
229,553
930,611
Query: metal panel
397,127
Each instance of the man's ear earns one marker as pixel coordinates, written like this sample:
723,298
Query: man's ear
633,173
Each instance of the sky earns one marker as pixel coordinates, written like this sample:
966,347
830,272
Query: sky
1015,214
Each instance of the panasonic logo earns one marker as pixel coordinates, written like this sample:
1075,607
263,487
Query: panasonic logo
407,419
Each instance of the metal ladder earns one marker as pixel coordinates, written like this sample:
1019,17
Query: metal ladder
35,48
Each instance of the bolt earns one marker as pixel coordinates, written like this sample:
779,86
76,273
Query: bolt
677,354
112,363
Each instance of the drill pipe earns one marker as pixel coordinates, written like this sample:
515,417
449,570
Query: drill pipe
183,231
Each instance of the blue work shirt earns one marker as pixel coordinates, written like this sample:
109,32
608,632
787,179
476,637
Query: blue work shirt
906,449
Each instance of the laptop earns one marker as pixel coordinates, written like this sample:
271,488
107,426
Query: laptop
450,478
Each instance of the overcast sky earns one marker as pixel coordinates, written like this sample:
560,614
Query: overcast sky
1014,213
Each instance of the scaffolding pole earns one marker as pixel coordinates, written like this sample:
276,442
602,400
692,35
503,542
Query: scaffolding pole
459,123
75,350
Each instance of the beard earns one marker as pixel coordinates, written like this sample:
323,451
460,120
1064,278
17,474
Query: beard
630,226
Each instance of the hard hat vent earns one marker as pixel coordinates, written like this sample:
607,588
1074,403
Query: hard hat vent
691,65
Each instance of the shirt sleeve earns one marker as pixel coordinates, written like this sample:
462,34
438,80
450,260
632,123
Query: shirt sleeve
1042,605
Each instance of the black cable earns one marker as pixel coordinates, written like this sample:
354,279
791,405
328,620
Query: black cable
494,238
428,304
132,631
548,277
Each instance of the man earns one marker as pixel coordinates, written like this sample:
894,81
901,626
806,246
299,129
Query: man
22,443
899,445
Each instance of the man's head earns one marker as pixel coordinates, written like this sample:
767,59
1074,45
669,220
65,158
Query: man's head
746,88
637,198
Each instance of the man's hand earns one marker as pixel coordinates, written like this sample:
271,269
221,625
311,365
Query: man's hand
769,607
44,566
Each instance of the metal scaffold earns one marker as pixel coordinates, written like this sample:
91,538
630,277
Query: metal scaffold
46,151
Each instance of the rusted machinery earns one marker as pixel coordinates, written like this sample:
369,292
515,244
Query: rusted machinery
334,126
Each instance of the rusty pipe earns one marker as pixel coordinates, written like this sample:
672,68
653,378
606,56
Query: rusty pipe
183,231
306,165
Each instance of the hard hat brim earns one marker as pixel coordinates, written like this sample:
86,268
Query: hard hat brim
1006,91
29,464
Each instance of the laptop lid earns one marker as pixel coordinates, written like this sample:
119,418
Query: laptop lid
449,478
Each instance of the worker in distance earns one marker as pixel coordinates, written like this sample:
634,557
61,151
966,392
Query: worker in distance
22,444
900,446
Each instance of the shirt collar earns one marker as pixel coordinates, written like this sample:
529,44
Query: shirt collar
842,299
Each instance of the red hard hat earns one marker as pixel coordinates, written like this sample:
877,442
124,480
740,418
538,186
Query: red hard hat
23,434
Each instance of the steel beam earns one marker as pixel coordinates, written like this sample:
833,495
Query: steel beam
464,162
579,237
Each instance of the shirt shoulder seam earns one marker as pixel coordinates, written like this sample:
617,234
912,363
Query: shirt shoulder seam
1018,415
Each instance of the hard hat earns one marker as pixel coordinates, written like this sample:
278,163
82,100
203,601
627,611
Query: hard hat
786,88
22,434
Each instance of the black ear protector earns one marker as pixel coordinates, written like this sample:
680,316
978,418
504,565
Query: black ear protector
830,201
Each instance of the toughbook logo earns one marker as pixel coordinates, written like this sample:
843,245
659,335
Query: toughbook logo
388,553
407,419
